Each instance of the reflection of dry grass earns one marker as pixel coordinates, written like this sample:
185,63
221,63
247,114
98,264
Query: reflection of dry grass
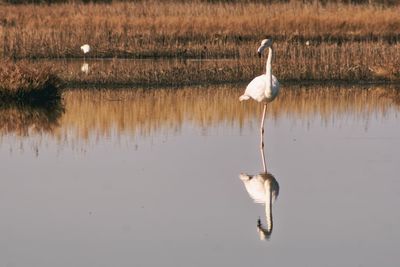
146,111
23,120
392,95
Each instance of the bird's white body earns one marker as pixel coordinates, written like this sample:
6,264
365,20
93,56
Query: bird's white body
260,187
85,48
264,87
256,89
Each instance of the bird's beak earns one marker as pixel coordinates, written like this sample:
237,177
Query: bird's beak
259,54
245,177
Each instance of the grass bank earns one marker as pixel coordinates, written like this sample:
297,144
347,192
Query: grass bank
24,82
289,67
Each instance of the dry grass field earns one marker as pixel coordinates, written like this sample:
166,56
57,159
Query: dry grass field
176,29
313,42
23,82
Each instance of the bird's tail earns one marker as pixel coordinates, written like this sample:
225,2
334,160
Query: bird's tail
244,97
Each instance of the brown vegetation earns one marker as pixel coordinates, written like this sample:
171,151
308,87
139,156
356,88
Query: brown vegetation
313,41
179,29
23,82
308,65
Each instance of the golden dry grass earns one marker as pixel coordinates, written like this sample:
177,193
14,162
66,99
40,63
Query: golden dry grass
196,29
28,83
333,64
347,42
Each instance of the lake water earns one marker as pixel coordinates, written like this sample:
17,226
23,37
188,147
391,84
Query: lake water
151,178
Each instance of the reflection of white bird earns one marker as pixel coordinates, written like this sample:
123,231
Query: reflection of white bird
262,188
85,68
264,87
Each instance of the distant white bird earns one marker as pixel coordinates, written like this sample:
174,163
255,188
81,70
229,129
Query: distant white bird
85,48
264,189
263,88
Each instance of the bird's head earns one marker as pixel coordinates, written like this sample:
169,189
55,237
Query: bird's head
264,232
245,177
264,44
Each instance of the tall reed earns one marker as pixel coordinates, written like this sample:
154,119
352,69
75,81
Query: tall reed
26,83
370,62
183,29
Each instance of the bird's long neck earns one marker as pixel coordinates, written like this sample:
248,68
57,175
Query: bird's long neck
268,205
269,69
265,232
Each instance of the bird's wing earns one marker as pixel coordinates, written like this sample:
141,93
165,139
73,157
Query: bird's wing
255,188
275,82
256,88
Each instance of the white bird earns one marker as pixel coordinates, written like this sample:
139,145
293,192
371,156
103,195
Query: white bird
85,48
264,189
263,88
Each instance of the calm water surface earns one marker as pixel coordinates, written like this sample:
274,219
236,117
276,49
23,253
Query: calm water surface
151,178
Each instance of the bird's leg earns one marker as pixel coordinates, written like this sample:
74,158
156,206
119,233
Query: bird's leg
262,127
262,137
263,160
